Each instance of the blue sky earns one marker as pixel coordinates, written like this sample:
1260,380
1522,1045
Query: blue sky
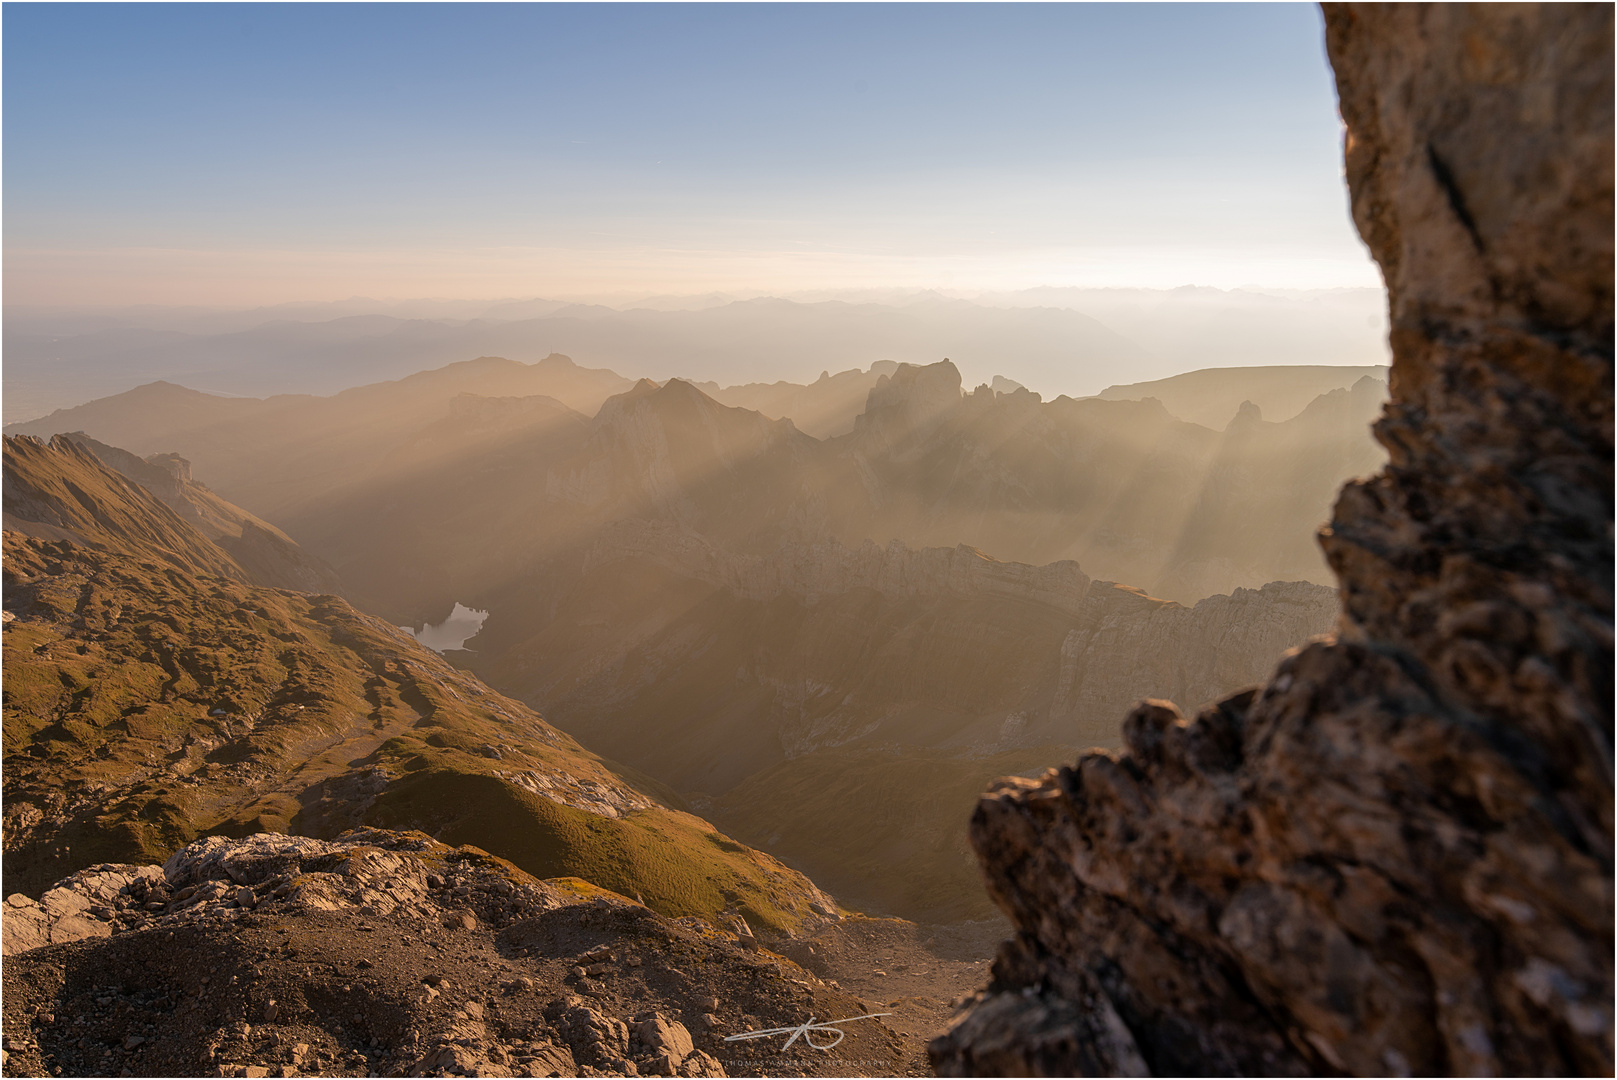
256,153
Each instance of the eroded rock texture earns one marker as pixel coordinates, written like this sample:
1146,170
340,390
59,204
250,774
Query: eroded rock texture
1396,857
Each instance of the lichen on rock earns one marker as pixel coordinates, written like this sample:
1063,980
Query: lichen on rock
1396,857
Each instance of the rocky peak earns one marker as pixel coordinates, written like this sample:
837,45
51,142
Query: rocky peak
672,450
172,464
1248,415
910,399
1395,858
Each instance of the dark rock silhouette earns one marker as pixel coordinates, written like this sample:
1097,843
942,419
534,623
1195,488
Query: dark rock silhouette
1396,857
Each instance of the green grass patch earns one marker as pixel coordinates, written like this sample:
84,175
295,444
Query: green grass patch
673,863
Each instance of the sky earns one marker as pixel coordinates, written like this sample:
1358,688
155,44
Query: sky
237,154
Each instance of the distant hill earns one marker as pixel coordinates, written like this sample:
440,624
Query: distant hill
1212,396
269,454
50,363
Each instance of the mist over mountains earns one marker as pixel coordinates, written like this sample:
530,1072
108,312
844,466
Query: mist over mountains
1060,341
939,585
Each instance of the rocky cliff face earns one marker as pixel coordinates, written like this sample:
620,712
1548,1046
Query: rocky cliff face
1396,857
907,402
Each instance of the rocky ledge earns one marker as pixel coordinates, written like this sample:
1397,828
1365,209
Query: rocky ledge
1396,857
387,953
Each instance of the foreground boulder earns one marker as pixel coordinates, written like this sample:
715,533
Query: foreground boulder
1396,857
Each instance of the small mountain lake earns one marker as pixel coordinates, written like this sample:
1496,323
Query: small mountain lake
454,632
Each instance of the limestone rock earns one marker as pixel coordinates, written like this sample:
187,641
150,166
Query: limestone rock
655,1034
596,1039
80,906
1396,857
371,871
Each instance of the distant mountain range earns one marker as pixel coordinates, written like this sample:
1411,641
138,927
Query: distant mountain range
1212,397
1058,341
1123,487
758,618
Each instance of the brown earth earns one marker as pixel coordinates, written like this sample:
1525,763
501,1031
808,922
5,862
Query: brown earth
922,974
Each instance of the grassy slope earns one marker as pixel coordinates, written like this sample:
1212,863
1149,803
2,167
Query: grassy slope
146,704
145,707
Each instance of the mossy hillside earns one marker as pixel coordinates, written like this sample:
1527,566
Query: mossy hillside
674,863
144,707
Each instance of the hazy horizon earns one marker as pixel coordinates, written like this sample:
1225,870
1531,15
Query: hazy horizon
1054,341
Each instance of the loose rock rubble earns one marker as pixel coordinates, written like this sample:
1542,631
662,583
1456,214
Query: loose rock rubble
384,953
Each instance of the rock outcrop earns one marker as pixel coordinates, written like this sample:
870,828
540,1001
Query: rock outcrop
386,953
1396,857
910,400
